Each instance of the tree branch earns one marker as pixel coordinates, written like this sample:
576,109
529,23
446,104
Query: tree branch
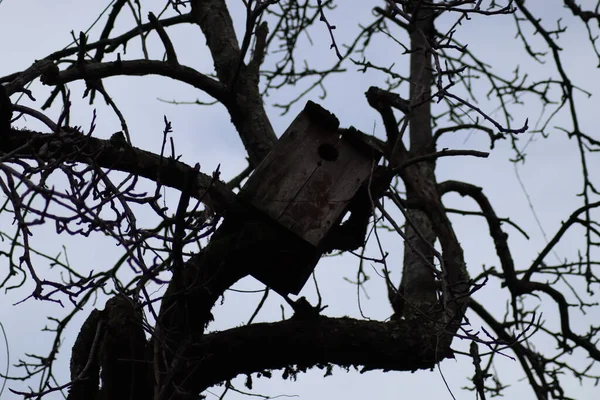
398,346
28,145
212,16
246,108
164,38
140,68
498,235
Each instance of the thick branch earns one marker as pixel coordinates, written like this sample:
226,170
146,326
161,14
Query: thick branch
421,74
28,145
246,110
401,346
383,101
140,68
498,235
418,285
19,80
213,18
455,283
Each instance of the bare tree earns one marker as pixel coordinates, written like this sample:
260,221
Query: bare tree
339,196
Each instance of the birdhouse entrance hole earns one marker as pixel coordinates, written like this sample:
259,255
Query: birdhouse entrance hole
328,152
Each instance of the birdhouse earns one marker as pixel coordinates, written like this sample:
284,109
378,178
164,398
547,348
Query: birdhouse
303,188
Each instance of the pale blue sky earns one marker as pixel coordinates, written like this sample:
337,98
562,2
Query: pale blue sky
206,135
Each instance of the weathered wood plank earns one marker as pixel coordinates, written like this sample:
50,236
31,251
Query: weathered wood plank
323,199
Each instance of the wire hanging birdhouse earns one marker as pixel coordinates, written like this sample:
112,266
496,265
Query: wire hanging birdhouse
304,186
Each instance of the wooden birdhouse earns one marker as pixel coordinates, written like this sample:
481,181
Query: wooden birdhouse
303,188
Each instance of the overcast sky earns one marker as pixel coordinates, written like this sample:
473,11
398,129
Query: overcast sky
31,29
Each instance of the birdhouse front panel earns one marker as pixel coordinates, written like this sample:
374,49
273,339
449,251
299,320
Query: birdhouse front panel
322,200
307,180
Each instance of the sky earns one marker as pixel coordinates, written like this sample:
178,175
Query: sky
205,135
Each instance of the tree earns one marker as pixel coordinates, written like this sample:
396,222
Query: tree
151,340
